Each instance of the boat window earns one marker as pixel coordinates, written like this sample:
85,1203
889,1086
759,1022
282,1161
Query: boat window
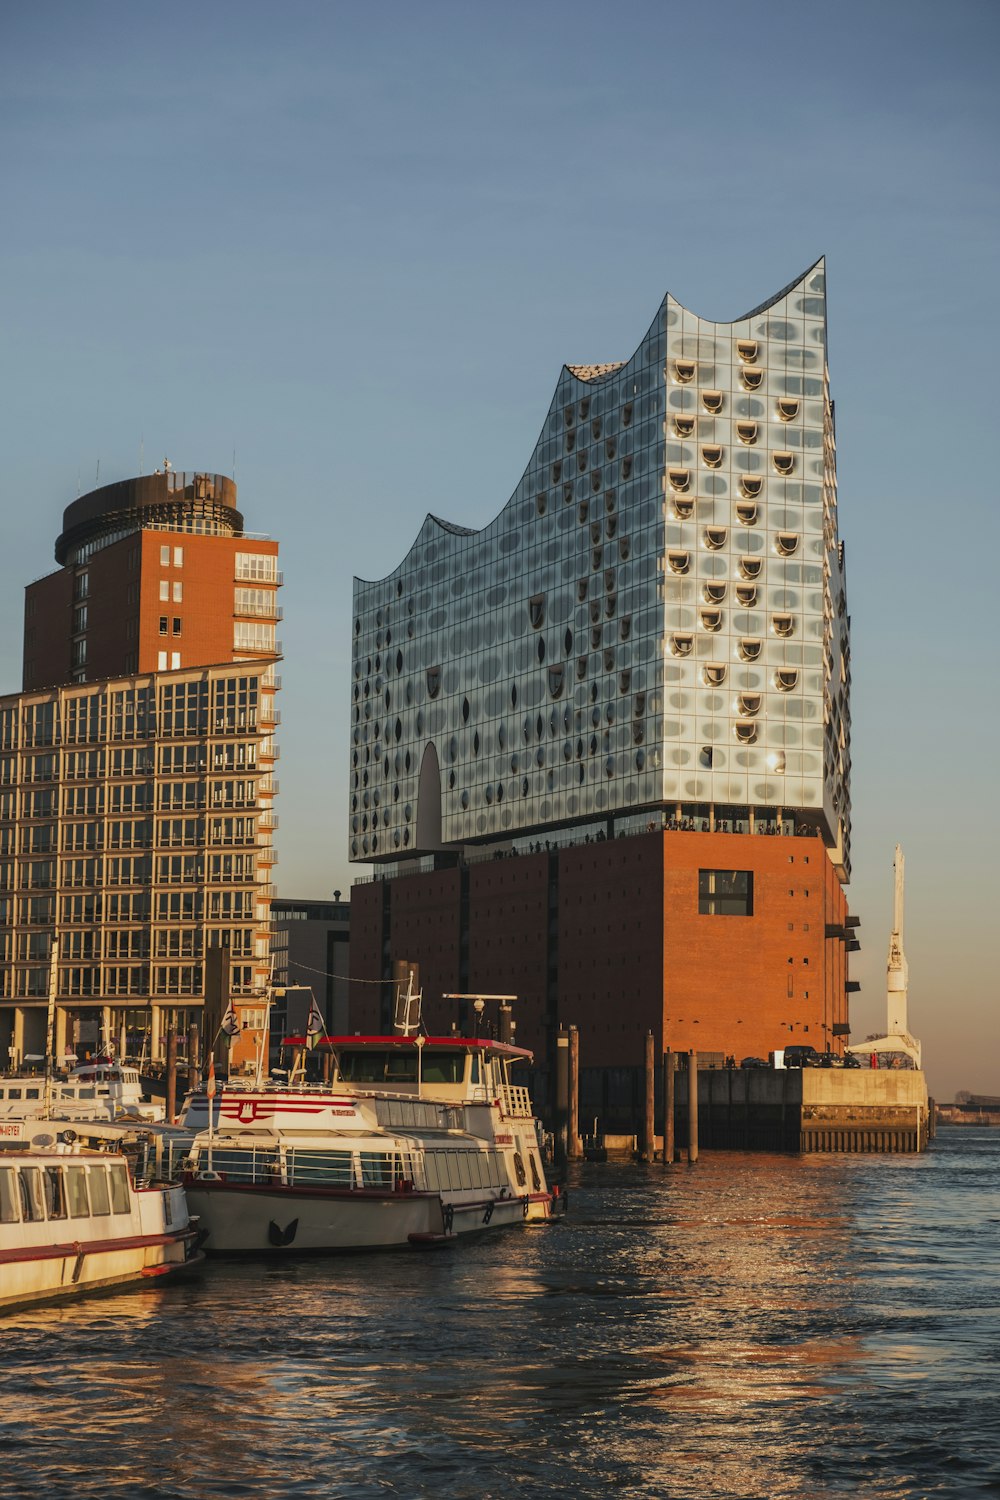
378,1067
13,1093
442,1067
119,1189
432,1179
32,1093
475,1073
9,1213
376,1169
100,1198
32,1202
401,1067
76,1192
55,1193
330,1168
465,1169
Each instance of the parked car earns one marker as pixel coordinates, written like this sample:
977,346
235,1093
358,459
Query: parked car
850,1061
754,1062
802,1057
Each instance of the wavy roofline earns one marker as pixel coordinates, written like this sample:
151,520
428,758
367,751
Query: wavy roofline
588,375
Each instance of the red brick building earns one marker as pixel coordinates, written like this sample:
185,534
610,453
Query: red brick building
620,937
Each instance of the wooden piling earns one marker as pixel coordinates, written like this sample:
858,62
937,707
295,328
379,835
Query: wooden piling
692,1107
648,1119
193,1058
562,1094
575,1151
669,1079
171,1073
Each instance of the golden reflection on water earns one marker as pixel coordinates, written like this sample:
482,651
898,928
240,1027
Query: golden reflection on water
745,1328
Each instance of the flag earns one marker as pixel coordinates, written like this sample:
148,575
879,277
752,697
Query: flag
315,1026
210,1085
231,1021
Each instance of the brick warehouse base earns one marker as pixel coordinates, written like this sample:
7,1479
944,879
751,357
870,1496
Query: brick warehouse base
608,936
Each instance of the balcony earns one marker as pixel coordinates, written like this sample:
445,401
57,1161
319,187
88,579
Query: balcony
258,611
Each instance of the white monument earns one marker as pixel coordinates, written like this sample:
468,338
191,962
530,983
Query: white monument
897,1037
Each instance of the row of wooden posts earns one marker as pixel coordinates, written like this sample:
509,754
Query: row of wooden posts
569,1142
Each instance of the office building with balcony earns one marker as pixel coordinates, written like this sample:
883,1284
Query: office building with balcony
600,749
137,774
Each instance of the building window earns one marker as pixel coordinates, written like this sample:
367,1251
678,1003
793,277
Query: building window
712,401
178,592
684,370
747,350
176,625
164,589
164,557
161,661
683,426
178,557
163,624
725,893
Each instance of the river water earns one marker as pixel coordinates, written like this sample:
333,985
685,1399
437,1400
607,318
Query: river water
754,1326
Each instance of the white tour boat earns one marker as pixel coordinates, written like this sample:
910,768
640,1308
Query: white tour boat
103,1090
72,1221
414,1141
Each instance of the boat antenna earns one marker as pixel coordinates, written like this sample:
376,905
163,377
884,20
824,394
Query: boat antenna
408,1007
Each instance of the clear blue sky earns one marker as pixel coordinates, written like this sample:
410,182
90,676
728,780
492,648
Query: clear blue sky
355,243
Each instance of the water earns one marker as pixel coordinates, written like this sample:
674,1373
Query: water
758,1326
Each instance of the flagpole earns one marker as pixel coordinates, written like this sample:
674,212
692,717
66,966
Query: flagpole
210,1091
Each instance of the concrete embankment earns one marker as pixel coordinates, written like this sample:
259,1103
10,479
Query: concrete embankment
798,1109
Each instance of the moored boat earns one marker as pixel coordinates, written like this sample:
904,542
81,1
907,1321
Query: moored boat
102,1090
73,1221
414,1141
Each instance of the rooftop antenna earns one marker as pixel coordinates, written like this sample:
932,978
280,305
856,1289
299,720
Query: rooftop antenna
97,478
141,451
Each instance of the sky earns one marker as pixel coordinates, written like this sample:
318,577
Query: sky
343,251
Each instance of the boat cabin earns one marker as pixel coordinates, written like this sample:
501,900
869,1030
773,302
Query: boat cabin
457,1069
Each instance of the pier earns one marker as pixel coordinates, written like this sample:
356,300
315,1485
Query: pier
814,1110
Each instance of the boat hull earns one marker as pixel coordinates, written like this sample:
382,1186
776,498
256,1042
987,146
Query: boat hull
42,1274
241,1218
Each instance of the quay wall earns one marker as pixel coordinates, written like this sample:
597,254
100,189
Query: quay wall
807,1109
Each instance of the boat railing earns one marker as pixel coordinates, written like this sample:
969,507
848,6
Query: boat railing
515,1101
262,1165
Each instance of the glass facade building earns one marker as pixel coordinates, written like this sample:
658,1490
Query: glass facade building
653,631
